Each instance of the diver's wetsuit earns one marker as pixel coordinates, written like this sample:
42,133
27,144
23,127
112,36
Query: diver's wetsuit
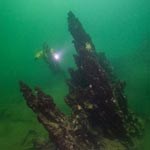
49,59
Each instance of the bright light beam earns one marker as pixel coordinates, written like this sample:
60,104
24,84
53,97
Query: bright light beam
56,56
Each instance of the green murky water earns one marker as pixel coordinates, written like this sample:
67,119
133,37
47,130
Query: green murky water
119,28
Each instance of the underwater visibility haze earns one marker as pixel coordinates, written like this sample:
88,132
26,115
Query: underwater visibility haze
31,30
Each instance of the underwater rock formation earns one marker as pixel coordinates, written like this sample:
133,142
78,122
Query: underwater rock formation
68,133
96,97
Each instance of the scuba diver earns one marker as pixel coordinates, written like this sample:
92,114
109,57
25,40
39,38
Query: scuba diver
50,56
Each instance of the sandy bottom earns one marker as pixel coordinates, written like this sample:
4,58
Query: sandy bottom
17,122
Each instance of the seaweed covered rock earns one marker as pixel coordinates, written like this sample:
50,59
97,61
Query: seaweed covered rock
92,89
96,97
66,133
